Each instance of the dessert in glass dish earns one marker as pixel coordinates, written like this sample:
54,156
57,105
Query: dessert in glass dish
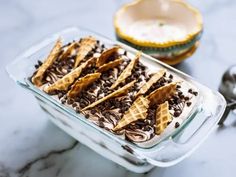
115,90
123,104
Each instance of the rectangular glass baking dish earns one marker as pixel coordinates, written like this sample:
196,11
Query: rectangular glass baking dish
169,151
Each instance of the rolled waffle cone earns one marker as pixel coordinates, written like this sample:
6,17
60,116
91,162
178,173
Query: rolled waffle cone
163,116
145,87
68,79
119,92
105,55
161,94
126,72
37,78
137,111
67,52
86,45
82,84
110,65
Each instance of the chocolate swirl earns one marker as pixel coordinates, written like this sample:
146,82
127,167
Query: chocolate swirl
138,135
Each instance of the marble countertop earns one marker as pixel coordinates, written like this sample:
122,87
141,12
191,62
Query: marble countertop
30,145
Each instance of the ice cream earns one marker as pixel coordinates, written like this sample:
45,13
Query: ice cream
116,90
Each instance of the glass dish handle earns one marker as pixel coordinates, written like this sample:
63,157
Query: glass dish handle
176,148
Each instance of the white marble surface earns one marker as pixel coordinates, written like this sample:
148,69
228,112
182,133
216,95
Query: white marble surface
30,145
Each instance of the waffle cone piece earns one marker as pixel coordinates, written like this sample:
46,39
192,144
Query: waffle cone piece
67,52
38,77
86,45
67,80
163,116
127,71
110,65
82,84
137,111
105,55
119,92
146,86
161,94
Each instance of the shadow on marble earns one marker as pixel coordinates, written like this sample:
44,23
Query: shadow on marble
184,67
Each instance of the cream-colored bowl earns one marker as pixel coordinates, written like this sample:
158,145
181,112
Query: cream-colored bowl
161,28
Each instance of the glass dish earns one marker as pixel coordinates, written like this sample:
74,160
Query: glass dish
168,151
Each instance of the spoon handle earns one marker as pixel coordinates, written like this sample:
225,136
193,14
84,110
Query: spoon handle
229,107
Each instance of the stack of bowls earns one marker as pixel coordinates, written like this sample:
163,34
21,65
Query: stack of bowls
168,30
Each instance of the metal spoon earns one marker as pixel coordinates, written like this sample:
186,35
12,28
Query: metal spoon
228,90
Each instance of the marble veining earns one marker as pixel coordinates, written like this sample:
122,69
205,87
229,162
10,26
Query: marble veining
30,145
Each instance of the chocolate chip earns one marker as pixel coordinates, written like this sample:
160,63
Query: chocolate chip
178,86
86,116
74,105
60,95
171,76
63,101
40,63
186,98
182,97
101,125
82,105
93,111
177,113
188,103
69,101
77,110
177,124
101,119
195,93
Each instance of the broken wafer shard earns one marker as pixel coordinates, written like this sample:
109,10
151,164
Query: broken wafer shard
38,77
119,92
106,55
137,111
86,45
82,84
163,116
161,94
127,71
69,49
110,65
146,86
68,79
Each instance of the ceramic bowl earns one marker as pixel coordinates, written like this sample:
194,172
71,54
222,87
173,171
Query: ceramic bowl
166,29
